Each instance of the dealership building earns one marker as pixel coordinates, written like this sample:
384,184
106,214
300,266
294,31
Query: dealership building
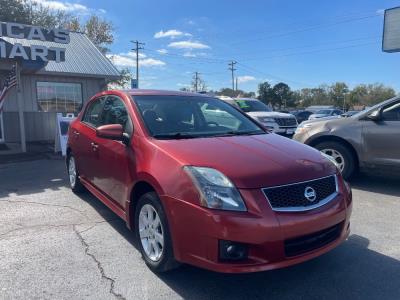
56,70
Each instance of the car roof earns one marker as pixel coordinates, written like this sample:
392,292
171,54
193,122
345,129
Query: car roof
145,92
247,99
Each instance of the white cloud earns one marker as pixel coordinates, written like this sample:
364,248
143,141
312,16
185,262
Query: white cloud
380,11
188,45
66,6
162,51
172,33
129,60
246,78
151,62
189,54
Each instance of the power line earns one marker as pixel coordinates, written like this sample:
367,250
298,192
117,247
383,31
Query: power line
254,70
322,25
136,49
313,51
232,69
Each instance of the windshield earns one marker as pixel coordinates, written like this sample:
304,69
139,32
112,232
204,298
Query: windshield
178,117
323,112
376,106
252,105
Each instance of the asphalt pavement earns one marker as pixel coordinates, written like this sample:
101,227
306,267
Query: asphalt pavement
56,245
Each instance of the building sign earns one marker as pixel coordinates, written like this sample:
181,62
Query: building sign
134,83
9,50
391,30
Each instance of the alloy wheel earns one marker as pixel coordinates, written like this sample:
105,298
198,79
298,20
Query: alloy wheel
337,156
151,232
72,171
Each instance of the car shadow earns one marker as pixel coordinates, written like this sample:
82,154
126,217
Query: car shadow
377,183
351,271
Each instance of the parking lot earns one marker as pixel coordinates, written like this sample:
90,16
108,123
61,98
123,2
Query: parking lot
56,245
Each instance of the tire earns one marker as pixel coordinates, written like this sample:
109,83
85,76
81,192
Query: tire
73,176
342,155
148,232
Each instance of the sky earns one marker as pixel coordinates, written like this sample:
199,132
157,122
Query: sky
302,43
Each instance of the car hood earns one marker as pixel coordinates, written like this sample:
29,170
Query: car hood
318,115
271,114
251,161
329,121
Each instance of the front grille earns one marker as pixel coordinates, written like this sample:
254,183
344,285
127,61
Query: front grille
286,121
293,197
312,241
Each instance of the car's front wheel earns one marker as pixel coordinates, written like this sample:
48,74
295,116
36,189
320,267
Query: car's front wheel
153,234
342,155
73,175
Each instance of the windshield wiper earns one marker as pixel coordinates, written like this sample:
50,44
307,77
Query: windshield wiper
233,133
175,136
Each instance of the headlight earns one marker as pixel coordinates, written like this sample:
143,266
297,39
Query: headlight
216,190
331,159
303,128
265,119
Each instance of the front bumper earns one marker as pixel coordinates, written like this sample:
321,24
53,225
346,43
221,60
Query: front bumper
274,127
196,232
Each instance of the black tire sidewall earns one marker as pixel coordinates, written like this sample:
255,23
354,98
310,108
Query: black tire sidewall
166,261
349,160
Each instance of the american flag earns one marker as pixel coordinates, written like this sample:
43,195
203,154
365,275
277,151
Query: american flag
10,82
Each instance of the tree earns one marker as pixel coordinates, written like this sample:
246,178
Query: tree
33,13
282,94
370,94
265,92
235,93
100,32
337,94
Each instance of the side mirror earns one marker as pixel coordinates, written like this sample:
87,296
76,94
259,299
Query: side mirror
375,115
112,132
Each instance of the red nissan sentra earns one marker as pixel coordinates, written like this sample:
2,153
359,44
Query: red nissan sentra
199,182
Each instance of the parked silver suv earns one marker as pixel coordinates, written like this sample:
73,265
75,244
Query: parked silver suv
370,138
277,122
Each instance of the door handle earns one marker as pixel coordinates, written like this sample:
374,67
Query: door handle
94,146
76,133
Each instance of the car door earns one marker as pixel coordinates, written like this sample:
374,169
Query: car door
85,135
115,160
382,138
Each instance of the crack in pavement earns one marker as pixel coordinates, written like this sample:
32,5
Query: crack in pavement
53,226
45,204
99,266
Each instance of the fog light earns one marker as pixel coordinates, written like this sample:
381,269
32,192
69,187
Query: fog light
232,251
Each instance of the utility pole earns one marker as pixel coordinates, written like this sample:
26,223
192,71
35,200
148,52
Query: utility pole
138,46
232,69
236,83
196,81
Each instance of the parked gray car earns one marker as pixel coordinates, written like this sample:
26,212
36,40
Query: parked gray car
323,113
369,139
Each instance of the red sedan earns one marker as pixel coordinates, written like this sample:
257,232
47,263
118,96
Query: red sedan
199,182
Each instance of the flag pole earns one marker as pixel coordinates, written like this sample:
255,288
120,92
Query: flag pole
20,107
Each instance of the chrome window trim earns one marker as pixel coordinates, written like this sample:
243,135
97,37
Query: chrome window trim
304,208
